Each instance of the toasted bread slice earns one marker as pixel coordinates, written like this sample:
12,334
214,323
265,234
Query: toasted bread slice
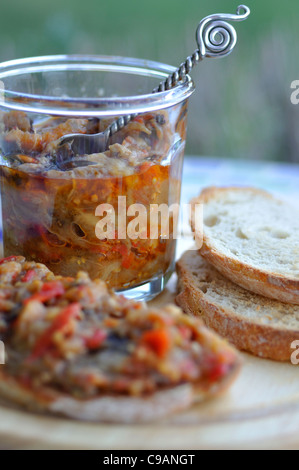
252,239
253,323
113,408
75,348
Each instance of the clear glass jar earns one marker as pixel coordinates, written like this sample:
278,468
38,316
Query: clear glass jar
57,217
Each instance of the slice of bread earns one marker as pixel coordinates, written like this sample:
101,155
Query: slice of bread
253,323
252,239
75,348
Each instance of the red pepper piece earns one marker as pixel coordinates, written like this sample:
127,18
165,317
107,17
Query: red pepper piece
218,371
185,332
9,258
219,365
144,166
97,338
127,255
27,159
48,291
157,340
28,276
139,119
59,322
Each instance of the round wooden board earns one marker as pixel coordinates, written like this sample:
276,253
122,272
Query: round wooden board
261,410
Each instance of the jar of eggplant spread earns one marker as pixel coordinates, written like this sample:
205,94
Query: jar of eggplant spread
58,214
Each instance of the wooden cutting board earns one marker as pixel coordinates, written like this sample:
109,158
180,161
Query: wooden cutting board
261,410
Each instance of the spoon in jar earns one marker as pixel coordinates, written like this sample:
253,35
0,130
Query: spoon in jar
215,38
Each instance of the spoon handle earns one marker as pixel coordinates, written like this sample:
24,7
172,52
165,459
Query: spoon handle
215,38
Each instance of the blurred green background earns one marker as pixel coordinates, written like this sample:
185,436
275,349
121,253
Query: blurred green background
242,105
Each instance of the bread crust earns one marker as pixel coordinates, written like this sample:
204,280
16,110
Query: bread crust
261,340
269,284
112,409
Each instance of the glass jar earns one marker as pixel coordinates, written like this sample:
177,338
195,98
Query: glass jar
94,216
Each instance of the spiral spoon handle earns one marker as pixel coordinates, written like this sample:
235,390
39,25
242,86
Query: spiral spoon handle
208,30
215,38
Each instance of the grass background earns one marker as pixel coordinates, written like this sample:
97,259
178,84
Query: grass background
241,107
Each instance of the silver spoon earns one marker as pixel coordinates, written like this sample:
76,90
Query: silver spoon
214,37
